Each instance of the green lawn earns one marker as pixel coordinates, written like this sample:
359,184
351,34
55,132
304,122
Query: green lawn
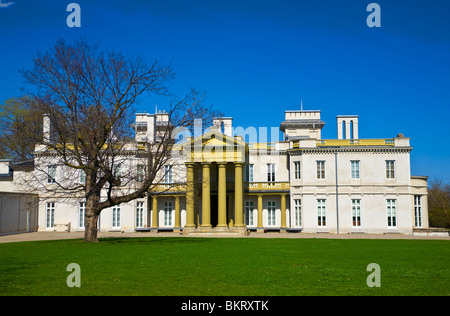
234,266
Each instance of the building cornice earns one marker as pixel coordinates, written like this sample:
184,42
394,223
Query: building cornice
331,150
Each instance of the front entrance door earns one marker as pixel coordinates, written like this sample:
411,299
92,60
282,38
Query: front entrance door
214,210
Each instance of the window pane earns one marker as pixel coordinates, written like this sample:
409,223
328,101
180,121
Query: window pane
297,212
297,170
82,210
355,169
270,172
320,169
140,173
390,169
321,213
51,174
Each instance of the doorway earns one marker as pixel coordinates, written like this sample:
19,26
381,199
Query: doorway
214,210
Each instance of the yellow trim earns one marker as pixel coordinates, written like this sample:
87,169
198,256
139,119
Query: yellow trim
350,142
190,195
355,142
268,146
260,210
283,211
155,212
222,195
206,197
169,187
267,186
258,187
177,212
239,194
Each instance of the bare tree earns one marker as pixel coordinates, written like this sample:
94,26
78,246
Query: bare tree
88,95
18,118
439,203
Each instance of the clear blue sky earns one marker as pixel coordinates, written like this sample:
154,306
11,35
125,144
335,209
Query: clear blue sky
256,59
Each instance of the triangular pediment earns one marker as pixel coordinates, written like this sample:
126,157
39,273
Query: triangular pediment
215,146
215,138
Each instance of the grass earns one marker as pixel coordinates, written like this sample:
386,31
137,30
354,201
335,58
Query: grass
235,266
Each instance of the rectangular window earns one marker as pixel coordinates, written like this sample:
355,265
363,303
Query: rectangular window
298,213
296,170
168,174
271,213
249,212
50,214
51,174
356,213
321,214
139,214
249,173
418,210
81,217
270,172
354,169
140,173
390,169
116,169
391,213
320,169
82,176
116,216
167,213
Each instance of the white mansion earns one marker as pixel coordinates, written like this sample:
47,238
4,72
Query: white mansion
301,184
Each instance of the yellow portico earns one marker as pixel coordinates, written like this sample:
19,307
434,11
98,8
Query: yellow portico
219,190
215,166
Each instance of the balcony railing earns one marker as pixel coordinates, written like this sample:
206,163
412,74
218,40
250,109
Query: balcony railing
169,187
250,186
262,146
267,186
355,142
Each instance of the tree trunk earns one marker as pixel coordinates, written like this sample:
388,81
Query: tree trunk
91,217
90,229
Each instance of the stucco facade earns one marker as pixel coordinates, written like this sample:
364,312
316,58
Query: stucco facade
219,183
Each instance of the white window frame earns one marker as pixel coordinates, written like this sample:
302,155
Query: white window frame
391,213
51,173
139,214
297,172
320,170
81,214
321,213
50,214
271,172
117,170
140,172
82,178
355,169
249,213
249,172
390,169
297,212
168,213
356,213
116,216
418,215
271,213
168,175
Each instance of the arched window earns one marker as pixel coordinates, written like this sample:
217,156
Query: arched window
351,130
344,136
